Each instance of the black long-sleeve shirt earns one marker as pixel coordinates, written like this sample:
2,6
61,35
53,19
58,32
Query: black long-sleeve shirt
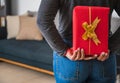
56,36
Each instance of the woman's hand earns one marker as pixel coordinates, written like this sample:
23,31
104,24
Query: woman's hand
103,56
78,55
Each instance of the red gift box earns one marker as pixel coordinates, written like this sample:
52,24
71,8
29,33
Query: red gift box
90,29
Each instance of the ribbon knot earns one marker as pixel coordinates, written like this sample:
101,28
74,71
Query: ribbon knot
90,31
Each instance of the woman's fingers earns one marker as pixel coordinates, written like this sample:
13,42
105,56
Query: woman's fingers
89,58
79,55
74,55
103,56
82,55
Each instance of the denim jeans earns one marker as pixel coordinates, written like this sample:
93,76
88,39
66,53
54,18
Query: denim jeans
92,71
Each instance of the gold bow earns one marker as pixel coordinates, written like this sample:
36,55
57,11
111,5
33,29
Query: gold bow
90,31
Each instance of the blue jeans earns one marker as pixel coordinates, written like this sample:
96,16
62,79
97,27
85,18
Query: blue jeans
92,71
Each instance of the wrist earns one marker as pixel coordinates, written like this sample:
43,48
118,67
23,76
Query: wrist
65,53
69,50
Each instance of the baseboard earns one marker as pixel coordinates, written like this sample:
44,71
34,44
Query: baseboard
27,66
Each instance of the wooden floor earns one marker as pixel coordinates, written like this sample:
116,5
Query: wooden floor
14,74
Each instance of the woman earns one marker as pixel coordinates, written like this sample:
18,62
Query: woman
71,66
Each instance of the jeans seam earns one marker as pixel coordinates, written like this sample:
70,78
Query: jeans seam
77,71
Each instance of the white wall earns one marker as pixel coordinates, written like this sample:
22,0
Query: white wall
22,6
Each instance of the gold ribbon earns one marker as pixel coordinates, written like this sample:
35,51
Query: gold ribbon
90,31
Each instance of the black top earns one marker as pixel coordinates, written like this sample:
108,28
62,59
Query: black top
56,36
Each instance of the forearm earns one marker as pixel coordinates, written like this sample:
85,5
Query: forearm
45,20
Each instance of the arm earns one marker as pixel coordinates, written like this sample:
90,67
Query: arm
45,21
